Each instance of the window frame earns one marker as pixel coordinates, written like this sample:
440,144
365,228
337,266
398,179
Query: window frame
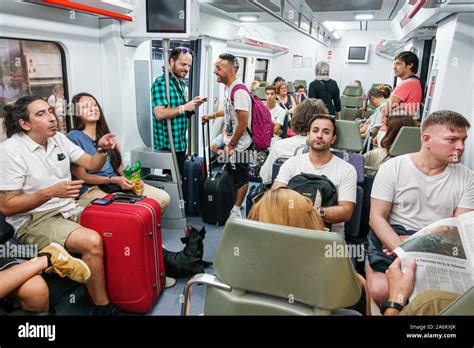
62,52
262,71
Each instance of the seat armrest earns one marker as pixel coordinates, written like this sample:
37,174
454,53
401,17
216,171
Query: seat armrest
200,279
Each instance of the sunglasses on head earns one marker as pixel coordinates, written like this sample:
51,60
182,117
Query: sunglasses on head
186,50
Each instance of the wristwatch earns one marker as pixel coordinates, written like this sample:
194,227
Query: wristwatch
322,212
390,304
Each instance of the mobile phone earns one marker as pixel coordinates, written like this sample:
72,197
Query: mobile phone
102,201
204,99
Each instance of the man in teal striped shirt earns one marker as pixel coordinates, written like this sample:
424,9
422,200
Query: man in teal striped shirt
180,61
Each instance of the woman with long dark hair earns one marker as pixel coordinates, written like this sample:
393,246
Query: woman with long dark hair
90,125
395,121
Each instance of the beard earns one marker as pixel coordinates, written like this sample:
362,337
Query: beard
179,73
323,147
221,79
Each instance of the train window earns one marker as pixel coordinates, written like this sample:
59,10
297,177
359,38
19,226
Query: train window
32,68
242,67
261,70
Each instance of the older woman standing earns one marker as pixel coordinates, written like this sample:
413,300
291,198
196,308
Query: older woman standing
326,89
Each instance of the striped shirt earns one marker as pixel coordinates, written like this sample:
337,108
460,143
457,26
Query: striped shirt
179,123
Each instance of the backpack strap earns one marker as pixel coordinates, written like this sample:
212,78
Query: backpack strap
235,89
232,94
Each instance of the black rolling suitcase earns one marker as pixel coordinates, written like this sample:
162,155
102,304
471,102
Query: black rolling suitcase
218,196
194,174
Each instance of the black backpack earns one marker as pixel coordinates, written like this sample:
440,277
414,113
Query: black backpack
318,188
187,262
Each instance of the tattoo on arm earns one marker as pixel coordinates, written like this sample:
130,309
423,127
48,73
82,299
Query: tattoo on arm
5,196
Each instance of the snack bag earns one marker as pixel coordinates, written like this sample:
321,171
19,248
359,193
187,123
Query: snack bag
133,174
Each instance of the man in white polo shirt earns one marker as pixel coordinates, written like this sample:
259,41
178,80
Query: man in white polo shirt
36,191
415,190
321,161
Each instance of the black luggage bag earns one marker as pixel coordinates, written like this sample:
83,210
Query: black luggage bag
194,174
218,196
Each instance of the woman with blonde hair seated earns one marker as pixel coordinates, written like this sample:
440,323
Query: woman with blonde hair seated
288,208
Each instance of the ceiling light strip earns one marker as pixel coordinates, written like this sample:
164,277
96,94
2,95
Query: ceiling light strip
79,7
283,20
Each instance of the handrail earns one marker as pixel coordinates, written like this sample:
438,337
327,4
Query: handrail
166,46
80,7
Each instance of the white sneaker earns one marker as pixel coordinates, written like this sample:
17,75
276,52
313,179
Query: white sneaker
235,213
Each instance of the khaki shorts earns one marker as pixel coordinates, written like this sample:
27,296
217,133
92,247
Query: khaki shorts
48,227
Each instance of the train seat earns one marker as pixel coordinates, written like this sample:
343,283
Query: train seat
408,140
266,269
260,93
300,82
464,305
353,91
291,87
348,136
351,103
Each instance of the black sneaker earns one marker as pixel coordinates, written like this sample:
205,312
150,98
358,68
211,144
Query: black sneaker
108,309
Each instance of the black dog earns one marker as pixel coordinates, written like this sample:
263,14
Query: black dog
188,261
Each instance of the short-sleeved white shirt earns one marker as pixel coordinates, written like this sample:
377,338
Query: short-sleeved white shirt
342,174
242,102
282,148
278,114
418,199
28,167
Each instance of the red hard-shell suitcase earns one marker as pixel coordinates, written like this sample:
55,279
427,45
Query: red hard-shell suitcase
134,265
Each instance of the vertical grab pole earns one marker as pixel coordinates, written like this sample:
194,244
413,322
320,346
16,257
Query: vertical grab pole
166,47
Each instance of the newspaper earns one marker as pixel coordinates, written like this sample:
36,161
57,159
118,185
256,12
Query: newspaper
444,255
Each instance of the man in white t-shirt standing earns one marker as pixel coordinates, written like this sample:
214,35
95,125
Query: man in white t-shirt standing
321,161
415,190
238,119
277,112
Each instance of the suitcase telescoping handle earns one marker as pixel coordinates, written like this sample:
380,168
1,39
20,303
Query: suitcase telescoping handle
128,198
206,137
